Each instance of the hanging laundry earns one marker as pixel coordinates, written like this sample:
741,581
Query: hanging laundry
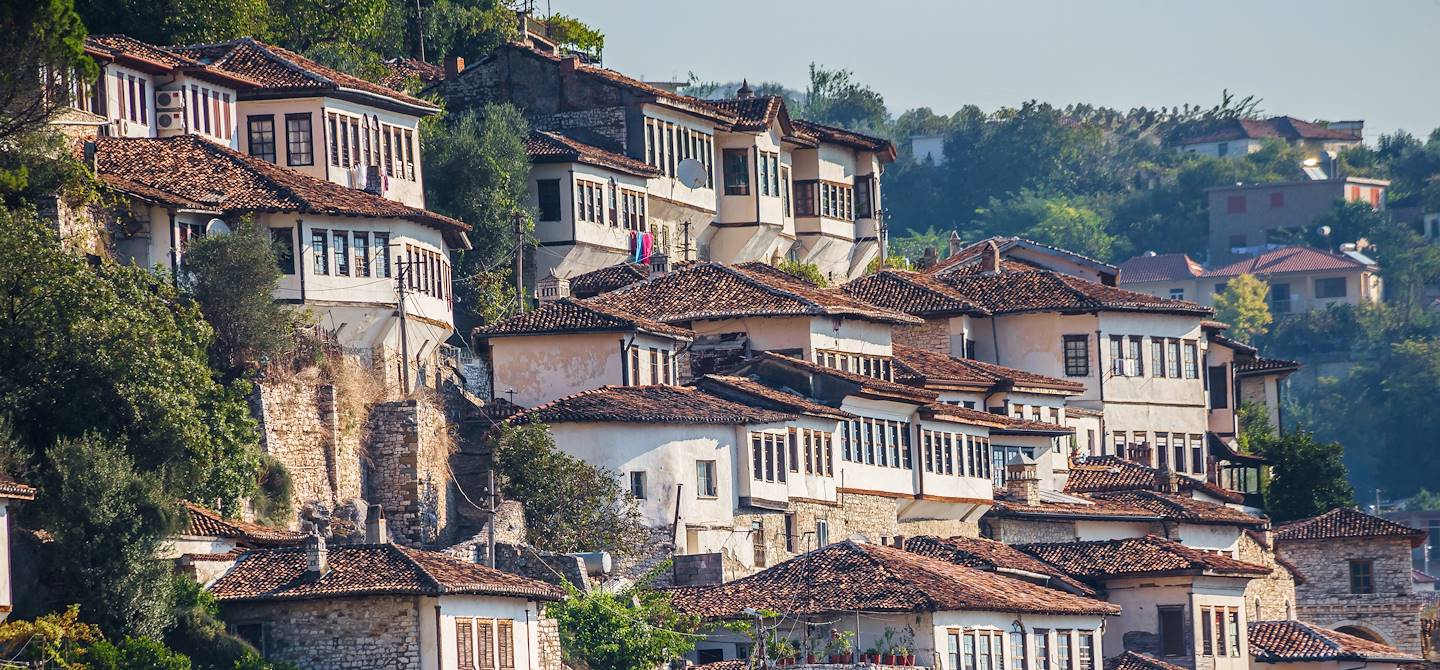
647,245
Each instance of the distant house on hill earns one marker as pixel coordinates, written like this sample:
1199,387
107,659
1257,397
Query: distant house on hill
1238,137
1300,278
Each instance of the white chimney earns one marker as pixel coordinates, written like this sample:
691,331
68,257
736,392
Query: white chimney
317,555
376,531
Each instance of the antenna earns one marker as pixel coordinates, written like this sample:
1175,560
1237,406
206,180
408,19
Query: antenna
691,173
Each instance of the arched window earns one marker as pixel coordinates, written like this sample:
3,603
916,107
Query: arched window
1017,646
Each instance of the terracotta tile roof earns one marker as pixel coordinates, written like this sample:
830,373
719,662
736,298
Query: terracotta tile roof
1180,507
360,570
208,523
1295,641
866,385
929,368
607,279
729,664
1259,366
548,147
1284,127
9,488
989,555
754,113
1134,660
848,138
1149,555
1343,522
188,171
648,404
1160,267
1088,508
578,316
848,576
281,70
913,293
967,259
400,71
998,423
1112,473
752,392
1289,259
1046,291
708,291
155,59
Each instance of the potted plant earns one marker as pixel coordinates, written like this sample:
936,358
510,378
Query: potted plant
839,647
782,650
906,649
888,658
872,653
902,655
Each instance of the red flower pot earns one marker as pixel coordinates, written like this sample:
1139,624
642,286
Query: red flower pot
888,659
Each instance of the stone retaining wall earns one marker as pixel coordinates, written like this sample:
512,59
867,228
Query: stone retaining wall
336,633
409,449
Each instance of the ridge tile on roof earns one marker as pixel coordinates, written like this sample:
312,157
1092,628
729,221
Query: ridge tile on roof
360,570
913,293
849,576
648,404
1344,522
568,315
708,291
189,171
1297,641
1149,555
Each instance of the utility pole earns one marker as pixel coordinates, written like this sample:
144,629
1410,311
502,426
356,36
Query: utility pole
686,248
402,273
420,30
519,262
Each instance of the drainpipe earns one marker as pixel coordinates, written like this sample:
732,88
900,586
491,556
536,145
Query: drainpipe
174,256
300,254
1100,375
994,340
624,363
440,640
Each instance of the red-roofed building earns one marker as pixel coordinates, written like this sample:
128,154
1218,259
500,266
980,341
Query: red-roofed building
1298,644
1300,278
342,249
1358,575
1238,137
732,180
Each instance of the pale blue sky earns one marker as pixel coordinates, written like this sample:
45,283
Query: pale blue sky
1377,60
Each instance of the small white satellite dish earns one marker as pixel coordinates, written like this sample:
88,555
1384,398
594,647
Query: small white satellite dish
217,227
691,173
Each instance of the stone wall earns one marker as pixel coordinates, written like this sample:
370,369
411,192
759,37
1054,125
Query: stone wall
1025,531
933,335
409,447
300,428
1323,596
1272,597
551,656
336,633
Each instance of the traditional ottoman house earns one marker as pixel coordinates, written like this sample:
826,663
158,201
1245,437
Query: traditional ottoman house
897,603
1358,576
1183,605
383,605
729,180
571,345
343,250
1305,646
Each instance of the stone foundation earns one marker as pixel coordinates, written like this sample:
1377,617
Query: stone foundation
336,633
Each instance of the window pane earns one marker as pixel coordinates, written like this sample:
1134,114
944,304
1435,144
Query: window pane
737,171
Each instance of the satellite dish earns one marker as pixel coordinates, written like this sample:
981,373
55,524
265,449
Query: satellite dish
217,227
691,173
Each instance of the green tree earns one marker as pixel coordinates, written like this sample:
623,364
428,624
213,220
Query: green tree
1245,306
108,522
1308,476
135,653
233,278
469,29
632,629
1255,426
808,271
37,37
476,170
58,638
1064,222
570,505
177,21
835,98
571,33
1409,266
1424,501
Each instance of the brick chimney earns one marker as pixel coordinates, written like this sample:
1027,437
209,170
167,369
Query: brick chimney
375,529
1022,481
454,65
1167,480
317,556
744,91
990,261
570,64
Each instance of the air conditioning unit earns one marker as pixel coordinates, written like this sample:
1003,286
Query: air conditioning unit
170,100
170,121
120,127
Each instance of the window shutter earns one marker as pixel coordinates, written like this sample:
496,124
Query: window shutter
464,644
486,642
506,636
